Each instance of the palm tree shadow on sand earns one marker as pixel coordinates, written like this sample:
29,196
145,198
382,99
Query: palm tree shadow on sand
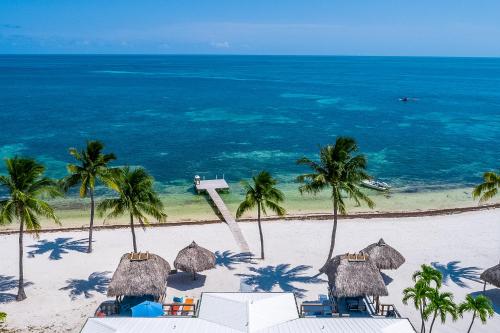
9,283
493,294
229,259
97,282
58,247
281,276
458,275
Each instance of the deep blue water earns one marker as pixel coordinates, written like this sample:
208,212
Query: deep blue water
182,115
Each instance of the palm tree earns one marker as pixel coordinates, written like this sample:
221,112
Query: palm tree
418,294
489,188
136,197
442,304
480,306
340,170
93,165
427,275
26,186
262,194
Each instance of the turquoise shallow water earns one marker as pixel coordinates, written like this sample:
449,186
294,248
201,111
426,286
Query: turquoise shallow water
235,115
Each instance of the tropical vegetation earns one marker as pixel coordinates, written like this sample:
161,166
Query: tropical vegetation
341,170
26,188
93,165
136,197
480,306
440,304
432,303
262,192
489,188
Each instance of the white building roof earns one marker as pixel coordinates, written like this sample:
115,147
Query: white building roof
246,312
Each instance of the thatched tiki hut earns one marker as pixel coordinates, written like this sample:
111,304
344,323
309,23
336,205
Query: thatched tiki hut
491,276
383,255
140,274
194,258
354,275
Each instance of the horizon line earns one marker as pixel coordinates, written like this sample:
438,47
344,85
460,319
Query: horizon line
252,55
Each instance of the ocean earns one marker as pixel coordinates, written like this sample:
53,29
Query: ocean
233,116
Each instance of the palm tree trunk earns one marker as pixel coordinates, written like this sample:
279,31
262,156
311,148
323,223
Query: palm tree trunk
334,230
260,232
21,295
432,323
422,328
133,232
472,322
89,250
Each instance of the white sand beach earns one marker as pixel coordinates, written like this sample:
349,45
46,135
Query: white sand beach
65,284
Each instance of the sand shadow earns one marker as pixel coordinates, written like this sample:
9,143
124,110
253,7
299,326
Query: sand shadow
281,276
228,259
97,282
9,283
493,294
458,275
183,281
58,247
387,279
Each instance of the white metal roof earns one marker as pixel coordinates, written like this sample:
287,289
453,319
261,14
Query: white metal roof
247,312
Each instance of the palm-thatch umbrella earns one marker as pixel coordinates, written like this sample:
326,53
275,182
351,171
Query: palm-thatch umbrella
492,276
133,277
356,276
194,258
383,255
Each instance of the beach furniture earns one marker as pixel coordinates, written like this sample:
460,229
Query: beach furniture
383,255
492,276
140,275
194,258
147,309
186,308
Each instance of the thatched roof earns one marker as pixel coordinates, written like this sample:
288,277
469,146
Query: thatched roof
140,277
354,278
492,275
194,258
383,255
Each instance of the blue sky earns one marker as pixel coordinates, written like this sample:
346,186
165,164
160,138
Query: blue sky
347,27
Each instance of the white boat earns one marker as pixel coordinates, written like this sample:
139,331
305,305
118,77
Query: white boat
375,184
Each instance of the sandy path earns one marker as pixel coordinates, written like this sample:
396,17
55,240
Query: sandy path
462,245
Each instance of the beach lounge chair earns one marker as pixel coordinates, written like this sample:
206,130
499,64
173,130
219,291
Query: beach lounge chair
175,309
187,309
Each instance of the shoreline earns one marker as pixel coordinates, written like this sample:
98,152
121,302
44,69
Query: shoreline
289,217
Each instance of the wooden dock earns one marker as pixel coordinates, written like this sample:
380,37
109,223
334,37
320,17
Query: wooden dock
211,186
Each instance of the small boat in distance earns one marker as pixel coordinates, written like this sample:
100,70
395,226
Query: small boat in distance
375,185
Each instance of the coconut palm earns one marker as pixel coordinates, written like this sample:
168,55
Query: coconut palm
440,304
263,194
93,166
480,306
489,188
341,170
418,294
136,197
26,187
427,275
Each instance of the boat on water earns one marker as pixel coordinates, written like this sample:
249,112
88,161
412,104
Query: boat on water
375,184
